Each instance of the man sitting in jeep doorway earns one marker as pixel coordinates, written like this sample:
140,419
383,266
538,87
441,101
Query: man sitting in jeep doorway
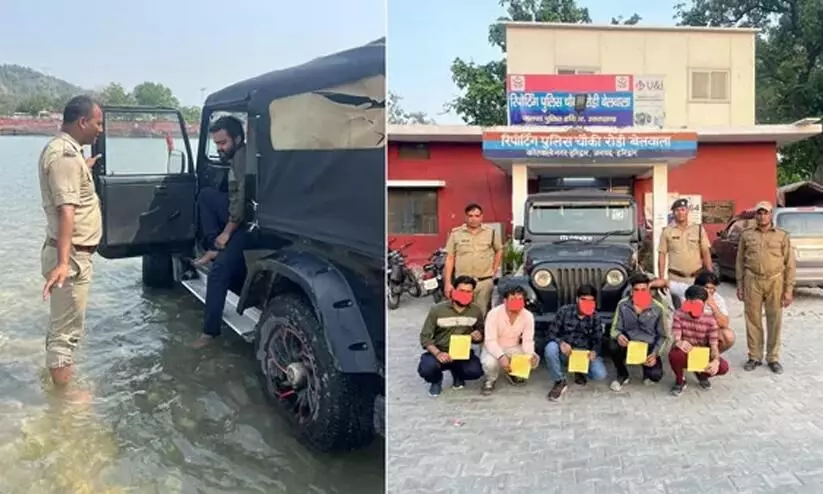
685,247
716,306
458,316
473,249
221,217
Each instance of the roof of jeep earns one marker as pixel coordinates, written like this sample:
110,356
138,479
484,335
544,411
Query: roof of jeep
579,194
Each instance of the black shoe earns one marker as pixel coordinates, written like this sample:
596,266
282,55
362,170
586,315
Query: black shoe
580,379
677,389
487,388
751,365
776,367
458,383
435,389
557,390
704,382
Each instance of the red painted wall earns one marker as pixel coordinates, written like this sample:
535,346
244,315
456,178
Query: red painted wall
744,173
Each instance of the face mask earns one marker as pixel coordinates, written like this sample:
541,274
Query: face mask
642,299
694,307
586,307
462,298
515,304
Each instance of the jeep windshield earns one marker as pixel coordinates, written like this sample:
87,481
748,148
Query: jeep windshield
801,223
581,219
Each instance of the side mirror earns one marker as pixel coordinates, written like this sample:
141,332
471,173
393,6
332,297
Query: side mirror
518,233
176,164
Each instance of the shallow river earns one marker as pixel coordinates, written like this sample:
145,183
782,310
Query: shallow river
164,418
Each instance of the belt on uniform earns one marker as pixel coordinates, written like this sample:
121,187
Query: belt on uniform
763,276
682,274
484,278
91,249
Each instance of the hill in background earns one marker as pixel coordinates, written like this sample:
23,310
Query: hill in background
22,86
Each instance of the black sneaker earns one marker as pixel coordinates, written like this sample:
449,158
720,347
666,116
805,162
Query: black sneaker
580,379
704,382
487,388
751,365
458,383
677,389
515,381
557,390
776,367
435,389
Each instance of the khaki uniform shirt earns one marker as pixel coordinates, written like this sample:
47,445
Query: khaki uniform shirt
765,254
237,187
473,252
683,247
66,179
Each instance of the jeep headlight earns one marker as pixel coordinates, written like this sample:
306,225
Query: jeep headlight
615,277
542,278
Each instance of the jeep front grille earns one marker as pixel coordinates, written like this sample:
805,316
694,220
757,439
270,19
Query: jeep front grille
568,280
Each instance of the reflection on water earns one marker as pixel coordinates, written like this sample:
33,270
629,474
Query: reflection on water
164,418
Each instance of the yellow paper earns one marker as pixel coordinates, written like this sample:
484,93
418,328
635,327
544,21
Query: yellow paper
521,365
579,361
459,346
637,353
698,359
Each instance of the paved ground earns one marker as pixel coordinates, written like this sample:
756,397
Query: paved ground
753,432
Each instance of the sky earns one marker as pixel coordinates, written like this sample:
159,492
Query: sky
425,36
195,47
198,47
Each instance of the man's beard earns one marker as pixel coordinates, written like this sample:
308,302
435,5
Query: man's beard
226,156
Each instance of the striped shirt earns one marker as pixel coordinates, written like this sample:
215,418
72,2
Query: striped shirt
699,332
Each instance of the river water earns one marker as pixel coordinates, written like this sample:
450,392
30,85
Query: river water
164,418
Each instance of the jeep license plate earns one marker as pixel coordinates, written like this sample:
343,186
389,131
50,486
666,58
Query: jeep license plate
430,284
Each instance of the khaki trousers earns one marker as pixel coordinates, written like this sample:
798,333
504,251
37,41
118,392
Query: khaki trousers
761,295
483,294
67,306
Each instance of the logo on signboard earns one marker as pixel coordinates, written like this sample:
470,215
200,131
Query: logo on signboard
518,83
622,83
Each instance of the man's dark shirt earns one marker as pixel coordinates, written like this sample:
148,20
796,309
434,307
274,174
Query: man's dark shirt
580,333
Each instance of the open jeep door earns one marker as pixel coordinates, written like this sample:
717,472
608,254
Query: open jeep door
146,182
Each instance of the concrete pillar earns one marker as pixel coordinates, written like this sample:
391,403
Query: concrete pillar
520,191
660,206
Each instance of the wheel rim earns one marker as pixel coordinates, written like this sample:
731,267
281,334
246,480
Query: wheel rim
292,373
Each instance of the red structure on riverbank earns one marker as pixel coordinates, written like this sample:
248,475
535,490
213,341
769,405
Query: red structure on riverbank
48,126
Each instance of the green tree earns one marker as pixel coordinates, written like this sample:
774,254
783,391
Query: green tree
192,114
35,104
155,94
483,86
399,116
789,67
116,95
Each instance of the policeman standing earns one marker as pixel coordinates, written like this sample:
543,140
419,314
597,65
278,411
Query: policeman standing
473,249
686,247
73,230
765,273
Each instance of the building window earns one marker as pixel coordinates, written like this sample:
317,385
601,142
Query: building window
412,211
572,71
710,85
413,151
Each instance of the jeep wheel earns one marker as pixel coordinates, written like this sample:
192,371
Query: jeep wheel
330,410
158,271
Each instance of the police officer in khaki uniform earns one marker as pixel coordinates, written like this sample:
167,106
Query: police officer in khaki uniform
474,249
73,230
765,273
685,247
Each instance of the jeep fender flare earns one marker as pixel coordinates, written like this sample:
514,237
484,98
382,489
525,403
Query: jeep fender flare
332,299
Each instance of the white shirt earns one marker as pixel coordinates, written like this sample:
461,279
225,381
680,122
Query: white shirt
721,306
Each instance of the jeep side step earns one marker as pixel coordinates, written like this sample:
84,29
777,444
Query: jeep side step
242,324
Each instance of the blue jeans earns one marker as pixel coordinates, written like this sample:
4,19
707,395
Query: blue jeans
558,363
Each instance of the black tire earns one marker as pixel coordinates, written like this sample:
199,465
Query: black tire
392,299
437,295
717,271
158,271
413,286
334,411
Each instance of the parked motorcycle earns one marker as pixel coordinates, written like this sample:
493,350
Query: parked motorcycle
400,278
432,279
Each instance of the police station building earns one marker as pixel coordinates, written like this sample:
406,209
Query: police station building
658,113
